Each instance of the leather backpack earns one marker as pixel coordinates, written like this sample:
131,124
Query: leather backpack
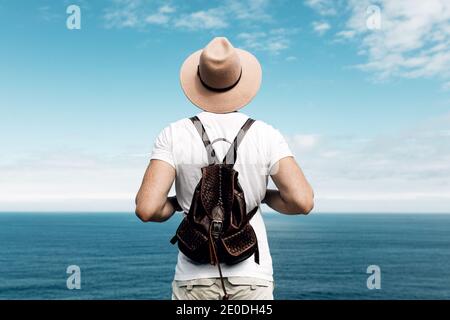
216,229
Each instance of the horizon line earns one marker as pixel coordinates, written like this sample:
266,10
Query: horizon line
266,212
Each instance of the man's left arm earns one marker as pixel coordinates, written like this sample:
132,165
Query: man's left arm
152,203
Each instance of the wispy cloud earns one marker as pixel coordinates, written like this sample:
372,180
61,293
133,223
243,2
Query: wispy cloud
138,14
412,165
345,34
61,179
248,14
414,40
273,41
291,58
48,14
320,27
123,14
161,17
167,9
200,20
323,7
304,142
249,10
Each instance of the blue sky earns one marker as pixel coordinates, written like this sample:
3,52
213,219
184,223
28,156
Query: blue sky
365,111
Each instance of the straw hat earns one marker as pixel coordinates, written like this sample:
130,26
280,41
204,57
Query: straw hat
220,78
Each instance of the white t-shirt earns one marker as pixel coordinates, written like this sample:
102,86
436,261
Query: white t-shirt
180,145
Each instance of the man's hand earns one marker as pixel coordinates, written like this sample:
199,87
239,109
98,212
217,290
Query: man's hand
173,200
152,203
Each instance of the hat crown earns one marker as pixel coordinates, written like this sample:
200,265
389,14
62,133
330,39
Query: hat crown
219,64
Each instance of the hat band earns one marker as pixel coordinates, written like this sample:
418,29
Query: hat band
218,89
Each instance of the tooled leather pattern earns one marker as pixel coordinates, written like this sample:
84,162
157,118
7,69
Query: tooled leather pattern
217,188
191,237
240,241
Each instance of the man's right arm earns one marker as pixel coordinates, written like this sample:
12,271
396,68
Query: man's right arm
294,194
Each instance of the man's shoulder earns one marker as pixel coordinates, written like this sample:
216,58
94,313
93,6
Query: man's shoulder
178,124
260,126
263,126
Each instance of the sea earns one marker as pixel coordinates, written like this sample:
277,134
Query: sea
319,256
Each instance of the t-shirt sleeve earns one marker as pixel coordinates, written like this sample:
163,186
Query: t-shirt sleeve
278,149
162,148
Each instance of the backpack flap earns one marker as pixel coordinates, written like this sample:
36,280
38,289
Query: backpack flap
240,245
192,242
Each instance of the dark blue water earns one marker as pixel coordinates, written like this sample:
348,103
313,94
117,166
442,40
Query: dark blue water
315,257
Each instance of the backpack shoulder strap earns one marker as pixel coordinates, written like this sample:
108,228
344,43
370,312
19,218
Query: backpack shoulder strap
231,156
212,158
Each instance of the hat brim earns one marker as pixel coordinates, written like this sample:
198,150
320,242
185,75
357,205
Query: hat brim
221,102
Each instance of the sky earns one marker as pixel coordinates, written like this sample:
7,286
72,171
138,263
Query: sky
360,89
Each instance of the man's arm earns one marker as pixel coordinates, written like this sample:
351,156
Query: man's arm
152,203
294,194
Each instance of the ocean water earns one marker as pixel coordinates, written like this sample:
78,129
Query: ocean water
320,256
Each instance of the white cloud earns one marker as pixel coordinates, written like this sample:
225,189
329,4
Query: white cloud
406,171
274,41
320,27
136,14
161,17
413,42
345,34
167,9
133,14
123,14
200,20
249,14
157,18
70,181
323,7
48,14
304,141
291,58
250,10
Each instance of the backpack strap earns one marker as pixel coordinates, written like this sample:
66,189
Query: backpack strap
249,217
252,213
232,152
212,158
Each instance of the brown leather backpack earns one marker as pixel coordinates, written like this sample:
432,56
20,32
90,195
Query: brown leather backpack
217,229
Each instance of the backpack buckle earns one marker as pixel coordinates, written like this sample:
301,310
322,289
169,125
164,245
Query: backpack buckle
216,228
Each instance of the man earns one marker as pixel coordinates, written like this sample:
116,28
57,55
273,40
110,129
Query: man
221,79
